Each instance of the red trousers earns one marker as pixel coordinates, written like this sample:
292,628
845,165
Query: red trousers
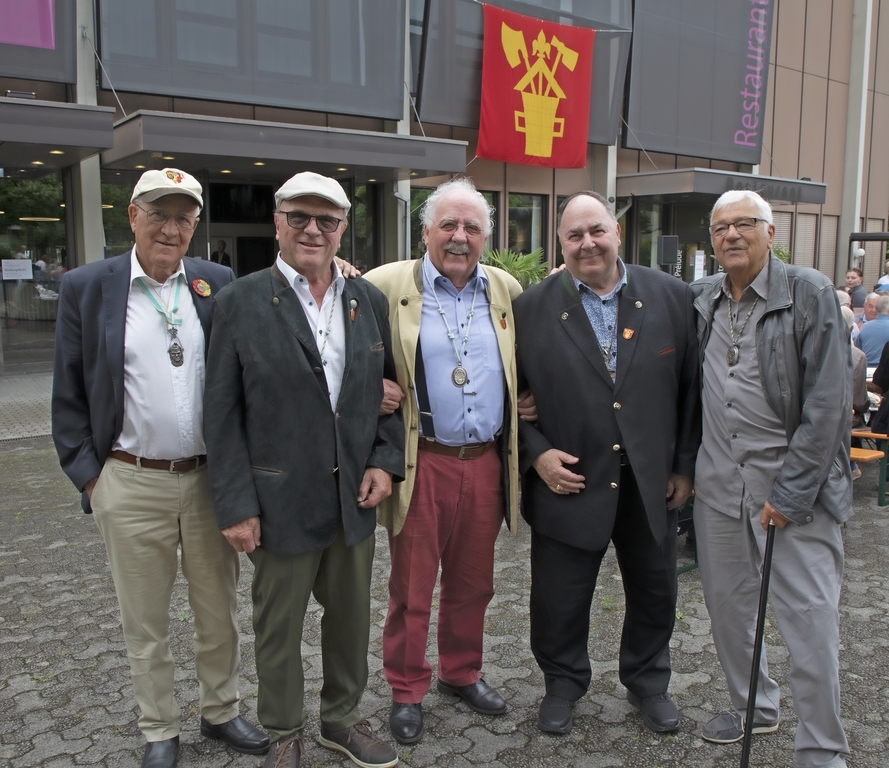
454,517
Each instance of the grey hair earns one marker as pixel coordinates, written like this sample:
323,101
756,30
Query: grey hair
736,196
464,184
871,296
848,316
883,305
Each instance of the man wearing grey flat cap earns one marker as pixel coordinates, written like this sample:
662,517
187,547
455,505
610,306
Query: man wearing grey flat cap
300,457
126,420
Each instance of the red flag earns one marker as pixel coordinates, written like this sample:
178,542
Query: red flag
535,91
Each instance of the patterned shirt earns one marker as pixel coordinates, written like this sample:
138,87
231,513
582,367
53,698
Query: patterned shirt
602,314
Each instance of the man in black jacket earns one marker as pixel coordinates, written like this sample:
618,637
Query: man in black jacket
299,458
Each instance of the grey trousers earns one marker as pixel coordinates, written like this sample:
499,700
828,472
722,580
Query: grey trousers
807,571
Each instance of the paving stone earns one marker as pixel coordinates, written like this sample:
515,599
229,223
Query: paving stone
66,698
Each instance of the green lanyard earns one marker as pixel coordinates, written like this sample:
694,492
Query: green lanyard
175,350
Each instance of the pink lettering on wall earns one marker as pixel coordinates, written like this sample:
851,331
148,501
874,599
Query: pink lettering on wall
756,76
30,23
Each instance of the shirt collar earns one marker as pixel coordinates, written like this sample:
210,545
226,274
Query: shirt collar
430,269
137,271
760,284
621,282
296,280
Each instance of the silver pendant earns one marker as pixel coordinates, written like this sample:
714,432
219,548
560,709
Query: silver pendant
733,355
175,350
459,376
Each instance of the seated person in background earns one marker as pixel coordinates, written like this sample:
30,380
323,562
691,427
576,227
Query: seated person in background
870,309
860,401
875,333
846,301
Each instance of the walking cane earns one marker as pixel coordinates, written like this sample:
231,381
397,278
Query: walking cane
757,644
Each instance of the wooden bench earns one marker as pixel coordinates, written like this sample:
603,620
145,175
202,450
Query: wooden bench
865,456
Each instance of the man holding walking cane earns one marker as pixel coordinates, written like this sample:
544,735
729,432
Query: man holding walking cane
775,370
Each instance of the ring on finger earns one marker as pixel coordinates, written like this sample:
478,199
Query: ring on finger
558,486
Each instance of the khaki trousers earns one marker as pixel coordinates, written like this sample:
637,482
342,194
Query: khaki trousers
339,577
145,516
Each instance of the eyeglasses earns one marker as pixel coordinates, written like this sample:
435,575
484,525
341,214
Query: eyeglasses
301,219
742,227
449,225
156,216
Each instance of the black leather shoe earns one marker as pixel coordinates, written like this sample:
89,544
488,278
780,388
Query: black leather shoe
659,713
554,715
238,734
161,754
479,696
406,722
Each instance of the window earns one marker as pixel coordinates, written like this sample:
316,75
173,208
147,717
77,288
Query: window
526,222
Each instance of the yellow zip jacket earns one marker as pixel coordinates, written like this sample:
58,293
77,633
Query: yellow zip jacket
402,282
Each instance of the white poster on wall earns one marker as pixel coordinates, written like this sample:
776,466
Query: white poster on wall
18,269
700,261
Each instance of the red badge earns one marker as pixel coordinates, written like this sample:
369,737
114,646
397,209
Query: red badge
503,323
201,288
176,178
628,333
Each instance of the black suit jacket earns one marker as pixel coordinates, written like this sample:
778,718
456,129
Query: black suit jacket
652,410
88,387
275,448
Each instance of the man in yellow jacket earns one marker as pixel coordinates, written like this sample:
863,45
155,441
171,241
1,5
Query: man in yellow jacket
453,339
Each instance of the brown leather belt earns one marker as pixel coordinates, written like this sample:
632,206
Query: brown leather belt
178,466
463,452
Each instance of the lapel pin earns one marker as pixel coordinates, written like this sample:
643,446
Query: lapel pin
353,305
503,320
564,315
638,305
201,288
628,333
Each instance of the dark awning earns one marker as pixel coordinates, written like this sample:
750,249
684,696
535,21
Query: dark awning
265,151
705,185
34,133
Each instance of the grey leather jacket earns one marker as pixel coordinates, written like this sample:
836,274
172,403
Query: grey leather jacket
806,364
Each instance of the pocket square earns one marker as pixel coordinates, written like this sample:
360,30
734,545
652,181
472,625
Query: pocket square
667,351
378,347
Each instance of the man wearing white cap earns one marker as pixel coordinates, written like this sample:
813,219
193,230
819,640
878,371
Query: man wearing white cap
299,458
127,412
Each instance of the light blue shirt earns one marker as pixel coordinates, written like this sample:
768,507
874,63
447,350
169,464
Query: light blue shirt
602,314
873,337
472,413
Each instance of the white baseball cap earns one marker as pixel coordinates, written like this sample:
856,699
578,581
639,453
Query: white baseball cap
308,183
169,181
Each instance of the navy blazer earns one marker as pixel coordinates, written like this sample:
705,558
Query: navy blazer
652,411
88,387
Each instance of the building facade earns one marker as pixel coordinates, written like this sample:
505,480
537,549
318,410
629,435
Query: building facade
789,97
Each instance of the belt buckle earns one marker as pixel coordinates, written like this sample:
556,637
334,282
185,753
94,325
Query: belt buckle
460,454
172,469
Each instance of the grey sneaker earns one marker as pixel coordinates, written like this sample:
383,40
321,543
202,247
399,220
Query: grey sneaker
285,753
728,728
360,744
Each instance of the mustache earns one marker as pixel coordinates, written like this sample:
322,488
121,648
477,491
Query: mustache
457,249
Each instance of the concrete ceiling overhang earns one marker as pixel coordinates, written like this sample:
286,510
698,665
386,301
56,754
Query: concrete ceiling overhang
704,185
50,135
272,152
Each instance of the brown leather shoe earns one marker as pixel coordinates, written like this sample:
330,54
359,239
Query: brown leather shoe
360,744
285,753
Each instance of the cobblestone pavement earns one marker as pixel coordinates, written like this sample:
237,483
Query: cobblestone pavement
66,699
24,404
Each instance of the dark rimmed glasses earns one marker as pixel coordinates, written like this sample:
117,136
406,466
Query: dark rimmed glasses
742,226
301,219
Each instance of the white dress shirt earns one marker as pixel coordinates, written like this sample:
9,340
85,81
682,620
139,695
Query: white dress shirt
326,320
163,405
